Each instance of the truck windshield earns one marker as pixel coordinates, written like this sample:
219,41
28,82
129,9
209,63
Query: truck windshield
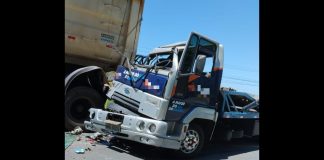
160,59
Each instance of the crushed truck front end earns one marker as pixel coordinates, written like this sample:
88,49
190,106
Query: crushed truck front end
135,128
142,108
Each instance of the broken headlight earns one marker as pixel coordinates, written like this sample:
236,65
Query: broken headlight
141,125
152,127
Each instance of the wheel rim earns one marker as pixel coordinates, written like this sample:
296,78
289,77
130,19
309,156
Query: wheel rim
190,142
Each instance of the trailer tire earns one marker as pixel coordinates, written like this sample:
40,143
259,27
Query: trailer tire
78,101
194,133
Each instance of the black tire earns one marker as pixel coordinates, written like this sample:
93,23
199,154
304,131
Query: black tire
200,145
228,135
78,101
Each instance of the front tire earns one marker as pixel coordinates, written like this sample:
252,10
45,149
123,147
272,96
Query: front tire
193,142
78,101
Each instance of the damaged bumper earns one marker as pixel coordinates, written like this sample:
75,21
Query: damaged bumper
134,128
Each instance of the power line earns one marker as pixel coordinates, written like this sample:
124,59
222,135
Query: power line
241,83
240,67
252,81
230,68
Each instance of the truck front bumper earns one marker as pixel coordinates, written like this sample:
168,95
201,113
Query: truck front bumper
127,127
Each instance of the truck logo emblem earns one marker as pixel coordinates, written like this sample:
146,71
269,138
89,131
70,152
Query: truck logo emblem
126,91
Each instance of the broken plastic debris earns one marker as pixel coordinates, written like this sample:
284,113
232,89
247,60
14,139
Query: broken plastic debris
108,140
77,130
91,141
96,135
110,137
79,150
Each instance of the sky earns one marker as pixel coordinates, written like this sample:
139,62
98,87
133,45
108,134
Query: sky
233,23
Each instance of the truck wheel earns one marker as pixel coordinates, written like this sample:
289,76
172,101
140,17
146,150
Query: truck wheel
193,142
78,101
228,135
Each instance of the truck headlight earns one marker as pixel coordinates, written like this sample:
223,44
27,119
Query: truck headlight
141,125
152,127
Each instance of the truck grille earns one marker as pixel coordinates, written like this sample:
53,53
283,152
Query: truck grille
126,102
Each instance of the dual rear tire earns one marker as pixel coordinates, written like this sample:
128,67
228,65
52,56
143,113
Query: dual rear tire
78,101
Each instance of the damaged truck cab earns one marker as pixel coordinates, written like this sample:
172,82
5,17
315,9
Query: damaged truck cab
171,101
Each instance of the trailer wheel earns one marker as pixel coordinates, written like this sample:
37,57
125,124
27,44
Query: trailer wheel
78,101
193,142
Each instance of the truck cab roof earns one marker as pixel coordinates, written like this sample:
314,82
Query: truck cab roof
169,47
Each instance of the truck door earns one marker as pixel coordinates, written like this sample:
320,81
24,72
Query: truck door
199,77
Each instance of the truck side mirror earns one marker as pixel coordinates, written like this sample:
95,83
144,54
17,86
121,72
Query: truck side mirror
199,64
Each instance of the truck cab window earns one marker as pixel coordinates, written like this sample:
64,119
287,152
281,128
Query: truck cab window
198,47
208,65
207,49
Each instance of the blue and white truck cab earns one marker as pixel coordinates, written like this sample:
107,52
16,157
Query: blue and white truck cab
172,100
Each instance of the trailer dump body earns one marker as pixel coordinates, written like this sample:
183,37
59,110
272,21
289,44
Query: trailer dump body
93,27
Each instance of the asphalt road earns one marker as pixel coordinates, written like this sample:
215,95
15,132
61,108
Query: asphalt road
243,149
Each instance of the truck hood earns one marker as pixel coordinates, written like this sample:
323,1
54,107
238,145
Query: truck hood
152,83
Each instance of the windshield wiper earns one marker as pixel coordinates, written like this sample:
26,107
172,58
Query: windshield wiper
148,69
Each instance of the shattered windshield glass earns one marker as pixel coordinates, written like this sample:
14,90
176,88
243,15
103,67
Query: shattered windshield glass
161,59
